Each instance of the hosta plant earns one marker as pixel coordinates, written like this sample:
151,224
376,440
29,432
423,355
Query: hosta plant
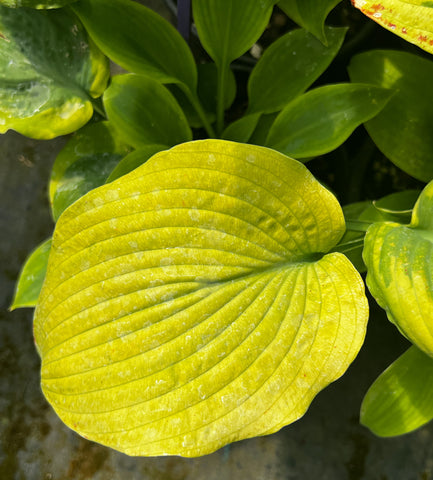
201,286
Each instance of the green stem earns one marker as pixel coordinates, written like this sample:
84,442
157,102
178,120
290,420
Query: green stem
195,102
222,77
98,107
358,225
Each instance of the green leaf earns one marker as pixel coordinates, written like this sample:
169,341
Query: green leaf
322,119
289,66
207,88
189,304
145,112
394,207
400,400
310,14
397,207
32,277
83,164
402,131
399,261
352,242
134,160
35,3
262,129
229,28
139,40
49,72
409,19
241,129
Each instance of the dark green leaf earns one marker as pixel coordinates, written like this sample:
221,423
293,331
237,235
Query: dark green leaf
395,207
321,120
402,131
49,72
145,112
35,3
134,160
352,241
84,163
139,40
289,66
207,93
400,400
207,86
32,277
242,129
263,126
310,14
228,28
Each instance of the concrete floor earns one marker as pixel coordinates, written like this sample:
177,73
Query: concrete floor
328,443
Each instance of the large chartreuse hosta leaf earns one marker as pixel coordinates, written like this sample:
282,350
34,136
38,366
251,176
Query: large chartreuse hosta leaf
49,72
399,260
409,19
190,303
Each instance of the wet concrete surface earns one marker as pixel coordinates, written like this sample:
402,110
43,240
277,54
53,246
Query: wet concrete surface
328,443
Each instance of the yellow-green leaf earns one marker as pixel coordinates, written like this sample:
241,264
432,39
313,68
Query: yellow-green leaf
399,262
409,19
191,302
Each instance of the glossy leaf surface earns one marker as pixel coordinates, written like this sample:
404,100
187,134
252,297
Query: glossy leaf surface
322,119
190,304
399,261
289,66
49,72
35,3
400,400
402,131
139,40
32,277
229,28
145,112
84,163
310,14
409,19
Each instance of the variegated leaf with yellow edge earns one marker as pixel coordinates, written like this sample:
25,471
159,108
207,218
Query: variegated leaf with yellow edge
409,19
399,260
191,302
